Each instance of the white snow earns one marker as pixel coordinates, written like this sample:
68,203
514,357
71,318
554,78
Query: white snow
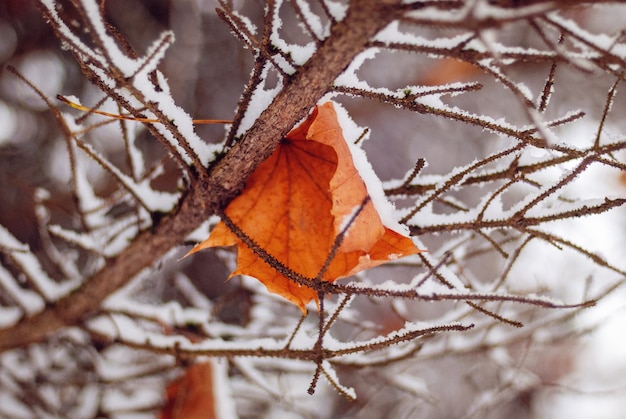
384,207
392,34
7,123
349,77
134,398
9,315
331,375
598,41
223,393
337,9
539,266
27,300
152,199
298,53
261,98
11,406
138,69
314,22
50,289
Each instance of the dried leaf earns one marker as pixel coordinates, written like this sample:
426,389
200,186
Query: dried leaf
191,396
294,206
449,70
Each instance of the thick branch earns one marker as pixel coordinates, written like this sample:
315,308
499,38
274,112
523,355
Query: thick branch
348,37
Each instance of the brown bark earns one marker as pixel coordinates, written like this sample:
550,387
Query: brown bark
213,191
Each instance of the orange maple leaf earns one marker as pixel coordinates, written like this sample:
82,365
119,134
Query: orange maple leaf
294,206
191,395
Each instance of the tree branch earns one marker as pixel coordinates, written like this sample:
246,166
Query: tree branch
212,191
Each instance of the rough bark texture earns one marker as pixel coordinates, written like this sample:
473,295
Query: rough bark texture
214,190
